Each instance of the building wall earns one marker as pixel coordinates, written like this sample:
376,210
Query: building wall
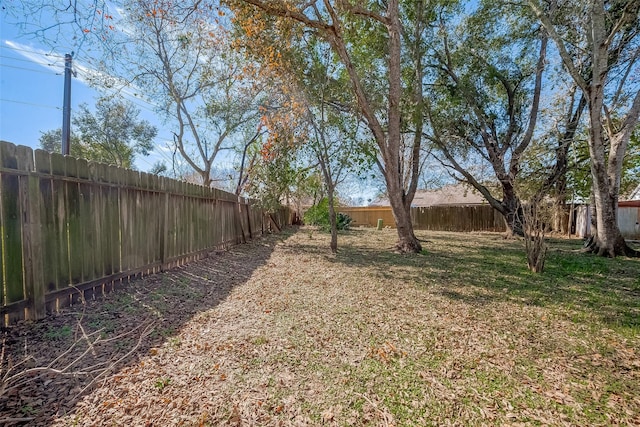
628,221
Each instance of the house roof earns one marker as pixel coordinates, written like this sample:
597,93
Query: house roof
635,194
455,194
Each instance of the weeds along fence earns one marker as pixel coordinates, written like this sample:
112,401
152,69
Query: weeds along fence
73,229
435,218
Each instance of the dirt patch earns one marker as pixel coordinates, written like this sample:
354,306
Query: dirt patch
367,337
59,359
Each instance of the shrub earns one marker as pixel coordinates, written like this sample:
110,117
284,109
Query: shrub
344,221
318,215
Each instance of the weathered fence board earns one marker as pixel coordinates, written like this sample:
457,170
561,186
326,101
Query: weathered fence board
368,216
436,218
11,226
72,229
458,218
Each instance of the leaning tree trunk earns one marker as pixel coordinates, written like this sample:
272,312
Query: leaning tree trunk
391,147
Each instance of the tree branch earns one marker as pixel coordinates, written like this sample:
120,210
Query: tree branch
562,49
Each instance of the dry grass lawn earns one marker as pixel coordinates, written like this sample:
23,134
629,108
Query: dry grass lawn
461,335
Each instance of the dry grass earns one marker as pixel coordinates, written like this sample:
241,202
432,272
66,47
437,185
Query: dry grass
460,335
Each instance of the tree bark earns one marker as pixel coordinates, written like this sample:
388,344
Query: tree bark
511,211
332,222
407,240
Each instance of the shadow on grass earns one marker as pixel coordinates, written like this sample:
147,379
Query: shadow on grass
124,327
479,269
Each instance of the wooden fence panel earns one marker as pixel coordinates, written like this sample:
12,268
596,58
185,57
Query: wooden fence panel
31,234
457,218
61,225
368,216
114,257
96,213
11,226
50,261
74,221
70,229
86,222
435,218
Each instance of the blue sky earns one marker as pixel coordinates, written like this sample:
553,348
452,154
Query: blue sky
31,92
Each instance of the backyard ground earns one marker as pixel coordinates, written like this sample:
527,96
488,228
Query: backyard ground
280,332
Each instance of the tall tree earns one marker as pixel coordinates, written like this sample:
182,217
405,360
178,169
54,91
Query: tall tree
179,53
320,118
333,132
112,134
600,51
485,100
51,141
275,174
373,29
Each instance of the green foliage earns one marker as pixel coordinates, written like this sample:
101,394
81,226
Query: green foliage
631,165
343,221
579,173
51,141
58,333
274,178
318,215
161,383
112,134
159,168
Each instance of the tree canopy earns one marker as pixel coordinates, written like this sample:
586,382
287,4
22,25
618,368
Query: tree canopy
113,134
534,98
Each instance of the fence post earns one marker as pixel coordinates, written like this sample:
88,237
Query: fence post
29,188
248,207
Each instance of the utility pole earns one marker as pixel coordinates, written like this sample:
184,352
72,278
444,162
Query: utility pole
66,104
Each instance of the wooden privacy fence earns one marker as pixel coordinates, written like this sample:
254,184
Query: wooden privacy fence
458,218
70,227
368,216
436,218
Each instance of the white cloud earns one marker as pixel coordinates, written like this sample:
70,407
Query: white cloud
41,57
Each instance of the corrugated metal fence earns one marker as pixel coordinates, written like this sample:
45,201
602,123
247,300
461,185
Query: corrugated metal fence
71,227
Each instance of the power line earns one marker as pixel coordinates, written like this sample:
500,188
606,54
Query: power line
30,69
29,103
26,60
53,55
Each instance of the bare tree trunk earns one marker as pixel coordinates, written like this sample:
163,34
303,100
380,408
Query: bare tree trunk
511,211
560,224
332,222
407,241
535,225
608,240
